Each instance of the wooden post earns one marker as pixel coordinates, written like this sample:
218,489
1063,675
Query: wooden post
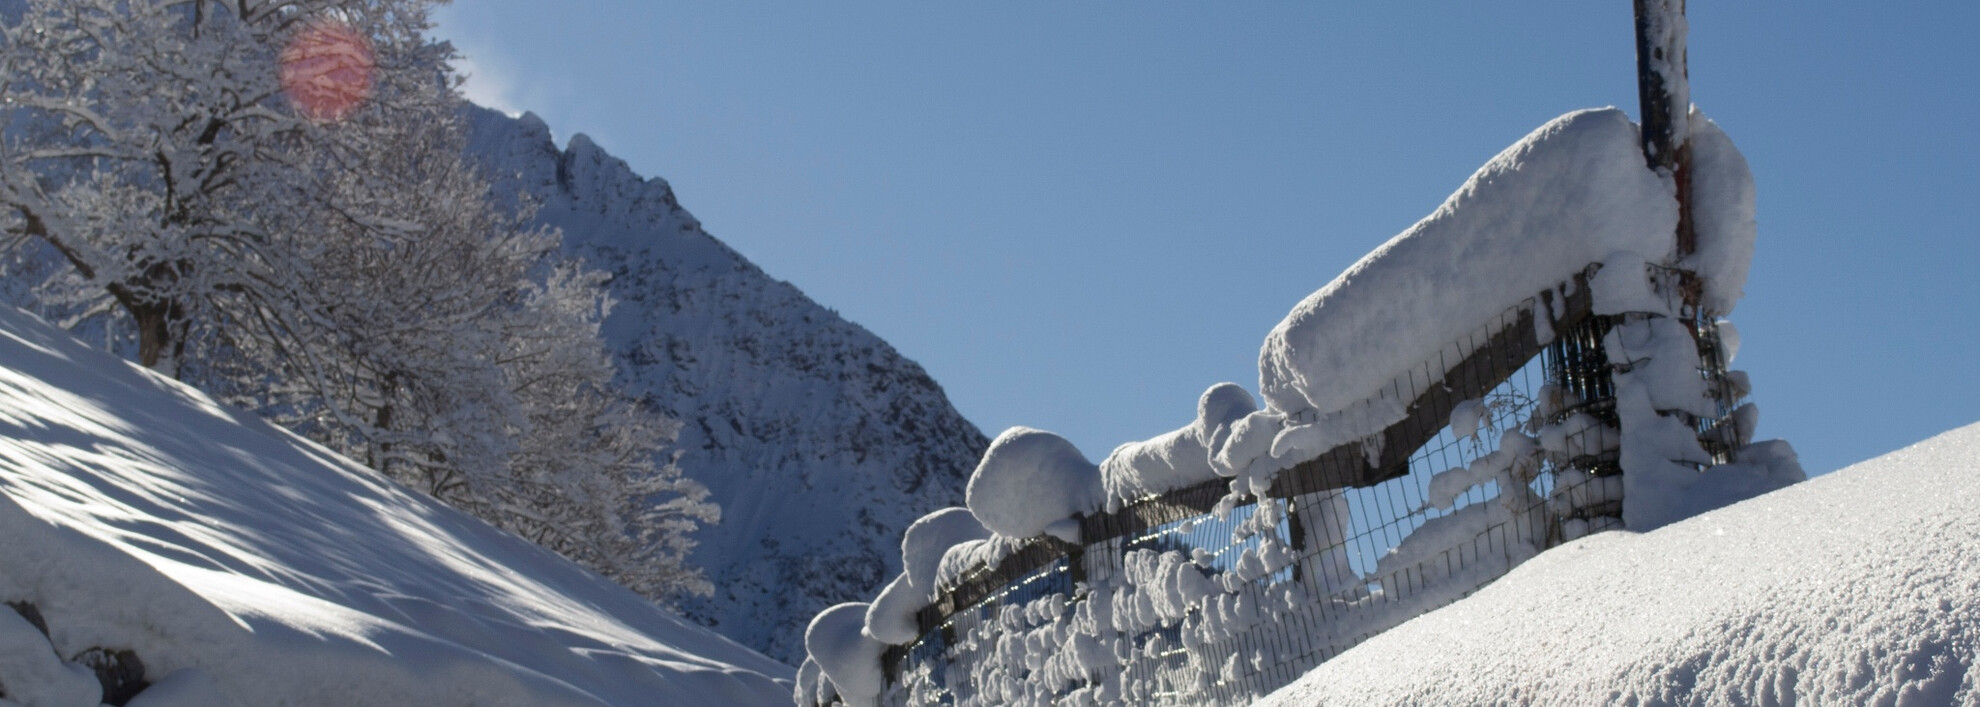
1664,91
1663,85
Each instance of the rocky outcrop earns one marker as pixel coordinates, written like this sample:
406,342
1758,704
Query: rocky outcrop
819,440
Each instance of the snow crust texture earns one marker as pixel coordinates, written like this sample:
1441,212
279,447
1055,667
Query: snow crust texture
1861,587
820,442
244,564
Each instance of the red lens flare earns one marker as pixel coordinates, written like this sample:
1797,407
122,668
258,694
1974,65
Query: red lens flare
326,71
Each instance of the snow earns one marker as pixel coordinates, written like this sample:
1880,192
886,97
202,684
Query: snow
1435,538
890,619
844,654
930,537
1177,459
1728,340
1859,587
1514,449
1623,285
1177,624
1575,192
1657,375
1466,415
34,674
773,391
1030,480
1659,355
972,554
141,514
190,687
808,684
1307,436
1572,193
1722,215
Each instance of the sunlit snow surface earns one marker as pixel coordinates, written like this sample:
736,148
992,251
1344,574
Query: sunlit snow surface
1860,587
136,513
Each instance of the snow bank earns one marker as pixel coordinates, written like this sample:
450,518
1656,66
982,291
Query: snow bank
1030,481
1178,459
33,672
1859,587
140,514
1571,193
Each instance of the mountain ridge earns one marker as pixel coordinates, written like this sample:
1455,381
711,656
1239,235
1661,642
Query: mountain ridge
818,439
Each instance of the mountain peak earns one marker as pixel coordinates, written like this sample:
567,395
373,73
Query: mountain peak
819,440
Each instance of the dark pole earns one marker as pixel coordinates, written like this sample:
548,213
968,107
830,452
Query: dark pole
1663,86
1664,91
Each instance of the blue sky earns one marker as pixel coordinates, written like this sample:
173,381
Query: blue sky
1079,215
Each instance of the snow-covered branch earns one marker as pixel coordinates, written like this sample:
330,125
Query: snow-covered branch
344,272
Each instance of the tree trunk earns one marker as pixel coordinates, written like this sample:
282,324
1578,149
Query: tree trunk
154,326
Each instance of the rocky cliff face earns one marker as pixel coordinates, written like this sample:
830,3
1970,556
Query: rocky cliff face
818,439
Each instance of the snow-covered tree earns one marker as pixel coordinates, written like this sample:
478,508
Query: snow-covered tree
148,141
469,362
269,200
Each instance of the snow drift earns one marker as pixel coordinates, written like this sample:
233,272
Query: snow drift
242,563
1859,587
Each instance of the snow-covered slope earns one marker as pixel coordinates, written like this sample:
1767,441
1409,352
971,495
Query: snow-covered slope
232,556
820,442
1860,587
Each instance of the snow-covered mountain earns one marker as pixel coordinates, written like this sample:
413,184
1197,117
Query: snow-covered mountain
146,524
819,440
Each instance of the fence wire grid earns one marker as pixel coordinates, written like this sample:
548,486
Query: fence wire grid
1201,596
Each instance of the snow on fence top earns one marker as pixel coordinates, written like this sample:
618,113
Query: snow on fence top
1180,458
1571,193
1721,214
1539,331
1030,482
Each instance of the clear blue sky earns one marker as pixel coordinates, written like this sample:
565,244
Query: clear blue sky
1078,215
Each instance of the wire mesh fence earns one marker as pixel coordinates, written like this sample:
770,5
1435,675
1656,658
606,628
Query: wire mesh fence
1205,596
